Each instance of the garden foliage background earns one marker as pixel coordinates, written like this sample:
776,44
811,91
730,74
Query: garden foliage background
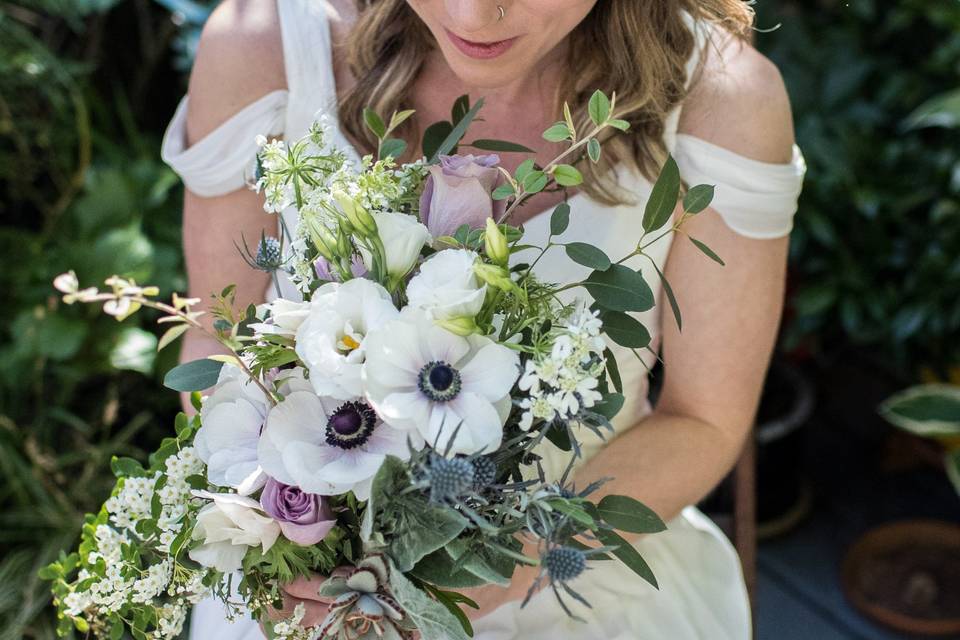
87,86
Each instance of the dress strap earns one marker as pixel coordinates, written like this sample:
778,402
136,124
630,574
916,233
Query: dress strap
308,59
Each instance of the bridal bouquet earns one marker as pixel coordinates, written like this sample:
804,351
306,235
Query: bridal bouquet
384,429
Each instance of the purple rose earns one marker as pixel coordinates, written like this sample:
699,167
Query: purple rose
458,191
324,272
304,518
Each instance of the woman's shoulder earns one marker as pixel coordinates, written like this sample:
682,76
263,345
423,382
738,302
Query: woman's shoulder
738,101
239,59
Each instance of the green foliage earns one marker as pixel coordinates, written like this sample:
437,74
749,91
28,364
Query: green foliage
81,186
876,248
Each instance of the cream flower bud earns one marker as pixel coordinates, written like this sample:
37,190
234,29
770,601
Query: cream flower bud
495,244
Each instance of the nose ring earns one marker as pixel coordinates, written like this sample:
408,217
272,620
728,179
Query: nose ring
502,13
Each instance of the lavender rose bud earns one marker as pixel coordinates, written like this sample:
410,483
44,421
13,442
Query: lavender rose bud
325,272
458,191
304,518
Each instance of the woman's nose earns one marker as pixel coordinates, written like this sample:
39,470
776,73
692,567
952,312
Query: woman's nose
471,15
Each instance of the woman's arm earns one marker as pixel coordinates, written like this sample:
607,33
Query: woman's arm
239,59
714,370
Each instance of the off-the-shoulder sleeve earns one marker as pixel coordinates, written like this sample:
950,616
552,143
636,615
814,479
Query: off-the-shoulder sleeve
756,199
217,163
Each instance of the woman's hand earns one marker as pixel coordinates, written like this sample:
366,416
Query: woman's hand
303,591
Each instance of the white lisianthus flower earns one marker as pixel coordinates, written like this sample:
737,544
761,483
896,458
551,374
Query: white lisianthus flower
447,286
422,378
331,340
284,317
327,446
228,526
402,237
231,419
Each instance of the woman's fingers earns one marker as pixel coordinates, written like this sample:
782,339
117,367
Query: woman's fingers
306,588
314,612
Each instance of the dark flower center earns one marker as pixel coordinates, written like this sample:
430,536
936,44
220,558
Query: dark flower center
439,381
351,425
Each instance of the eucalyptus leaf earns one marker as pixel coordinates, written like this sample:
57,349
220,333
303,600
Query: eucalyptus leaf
593,150
613,370
674,306
707,250
663,197
625,330
500,145
433,137
698,198
627,514
620,288
392,147
628,555
560,219
193,376
610,406
588,255
450,142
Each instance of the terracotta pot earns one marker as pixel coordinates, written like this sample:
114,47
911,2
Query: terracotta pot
906,575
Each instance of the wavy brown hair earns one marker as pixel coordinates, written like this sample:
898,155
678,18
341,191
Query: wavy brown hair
638,48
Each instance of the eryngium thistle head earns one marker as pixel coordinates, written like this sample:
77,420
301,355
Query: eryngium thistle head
484,472
268,254
449,477
564,563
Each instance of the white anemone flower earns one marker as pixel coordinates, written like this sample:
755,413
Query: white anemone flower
422,378
447,286
330,341
284,317
231,419
229,525
327,446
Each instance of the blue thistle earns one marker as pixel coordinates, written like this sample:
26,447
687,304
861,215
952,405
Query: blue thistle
564,563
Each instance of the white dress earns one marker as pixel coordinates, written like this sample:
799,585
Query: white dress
702,593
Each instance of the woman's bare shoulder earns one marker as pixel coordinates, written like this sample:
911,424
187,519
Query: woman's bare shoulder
239,59
739,101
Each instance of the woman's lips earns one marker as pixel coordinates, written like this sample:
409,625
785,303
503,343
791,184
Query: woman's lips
480,50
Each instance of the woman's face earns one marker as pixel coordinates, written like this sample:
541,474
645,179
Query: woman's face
487,52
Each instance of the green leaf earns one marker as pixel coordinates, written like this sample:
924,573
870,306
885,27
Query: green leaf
610,406
574,512
392,147
940,111
627,514
503,192
171,334
460,108
399,117
523,169
625,330
567,176
560,219
557,132
663,197
628,555
623,125
431,618
126,468
613,371
588,255
433,137
193,376
952,463
457,132
620,288
698,198
593,150
534,182
451,600
374,123
926,410
707,250
599,107
500,145
670,297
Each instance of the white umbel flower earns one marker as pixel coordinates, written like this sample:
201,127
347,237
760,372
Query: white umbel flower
331,339
447,286
424,379
232,418
327,446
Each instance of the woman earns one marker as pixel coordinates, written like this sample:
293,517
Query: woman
690,84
